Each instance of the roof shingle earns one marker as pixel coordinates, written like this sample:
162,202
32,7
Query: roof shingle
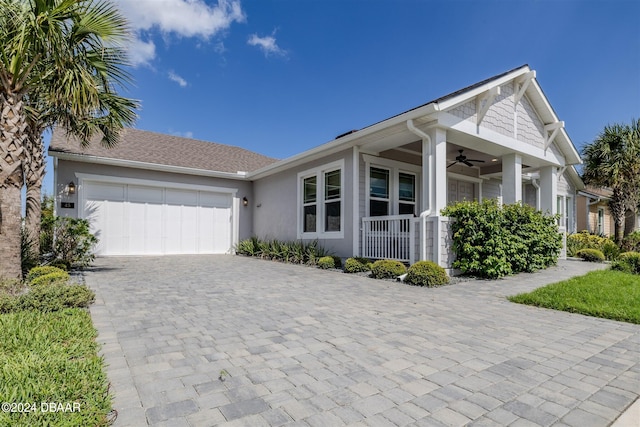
156,148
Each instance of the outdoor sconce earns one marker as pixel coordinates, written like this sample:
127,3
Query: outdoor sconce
245,202
70,188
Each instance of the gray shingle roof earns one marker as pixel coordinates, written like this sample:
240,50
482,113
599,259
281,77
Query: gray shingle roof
150,147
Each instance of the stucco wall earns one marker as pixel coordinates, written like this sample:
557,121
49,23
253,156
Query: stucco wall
276,207
66,172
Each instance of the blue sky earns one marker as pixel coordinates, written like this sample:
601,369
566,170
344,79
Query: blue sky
282,76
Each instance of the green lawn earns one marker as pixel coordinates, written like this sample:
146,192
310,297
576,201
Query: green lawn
50,370
604,293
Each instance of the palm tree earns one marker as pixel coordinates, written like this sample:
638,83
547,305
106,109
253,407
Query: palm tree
613,160
62,56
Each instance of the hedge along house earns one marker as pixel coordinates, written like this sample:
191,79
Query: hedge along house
376,192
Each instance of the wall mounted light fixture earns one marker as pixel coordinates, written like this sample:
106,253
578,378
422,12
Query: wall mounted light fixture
245,201
70,188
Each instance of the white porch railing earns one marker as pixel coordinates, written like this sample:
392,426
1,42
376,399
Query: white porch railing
389,237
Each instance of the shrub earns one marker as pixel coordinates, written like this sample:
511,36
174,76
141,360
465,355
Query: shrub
248,247
387,269
426,273
628,262
326,262
591,255
357,265
7,303
12,287
36,272
73,242
493,241
584,240
631,242
49,279
297,252
56,297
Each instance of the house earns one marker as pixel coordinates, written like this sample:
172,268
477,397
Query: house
375,192
593,214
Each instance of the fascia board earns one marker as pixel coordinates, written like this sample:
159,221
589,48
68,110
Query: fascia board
342,143
144,165
467,96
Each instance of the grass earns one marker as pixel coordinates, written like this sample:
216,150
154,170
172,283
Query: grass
52,357
605,293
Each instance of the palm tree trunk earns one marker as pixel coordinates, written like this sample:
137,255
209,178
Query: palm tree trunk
12,136
618,209
34,170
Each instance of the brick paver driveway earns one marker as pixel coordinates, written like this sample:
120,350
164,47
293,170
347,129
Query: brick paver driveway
223,340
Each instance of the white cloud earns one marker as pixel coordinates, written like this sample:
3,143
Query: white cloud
267,44
176,78
141,52
183,18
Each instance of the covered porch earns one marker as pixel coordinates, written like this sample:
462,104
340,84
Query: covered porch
499,138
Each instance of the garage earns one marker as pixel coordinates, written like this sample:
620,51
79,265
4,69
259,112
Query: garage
140,219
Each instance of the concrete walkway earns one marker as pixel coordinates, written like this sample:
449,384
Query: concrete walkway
232,341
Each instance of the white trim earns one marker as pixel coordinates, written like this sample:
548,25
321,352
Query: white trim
461,177
319,172
82,158
355,178
151,183
382,161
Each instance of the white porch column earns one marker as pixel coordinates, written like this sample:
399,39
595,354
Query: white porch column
439,188
511,178
548,189
439,173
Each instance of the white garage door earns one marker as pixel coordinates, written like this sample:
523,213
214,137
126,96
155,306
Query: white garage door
143,220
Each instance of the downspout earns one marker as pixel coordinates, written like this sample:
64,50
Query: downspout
535,184
426,190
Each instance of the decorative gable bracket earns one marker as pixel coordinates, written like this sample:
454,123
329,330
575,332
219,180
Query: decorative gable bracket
488,97
523,81
554,128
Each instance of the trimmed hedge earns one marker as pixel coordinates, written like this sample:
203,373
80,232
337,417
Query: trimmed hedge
584,240
48,279
327,262
493,241
54,297
387,269
629,262
426,273
591,255
357,265
36,272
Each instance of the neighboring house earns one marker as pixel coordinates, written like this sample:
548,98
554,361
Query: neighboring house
593,214
375,192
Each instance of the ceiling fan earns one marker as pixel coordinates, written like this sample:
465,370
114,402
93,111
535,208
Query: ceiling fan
461,158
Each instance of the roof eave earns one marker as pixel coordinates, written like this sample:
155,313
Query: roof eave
83,158
342,143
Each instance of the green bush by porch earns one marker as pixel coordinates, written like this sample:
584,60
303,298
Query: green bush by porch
493,241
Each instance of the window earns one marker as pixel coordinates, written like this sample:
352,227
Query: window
310,206
407,194
378,192
600,227
320,199
391,192
569,214
332,200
